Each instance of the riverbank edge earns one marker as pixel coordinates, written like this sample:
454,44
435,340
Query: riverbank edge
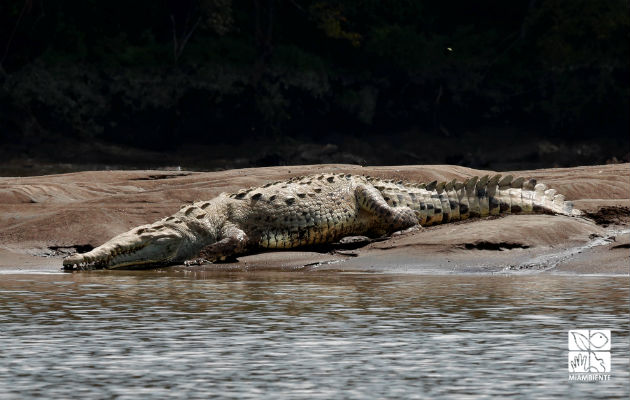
44,217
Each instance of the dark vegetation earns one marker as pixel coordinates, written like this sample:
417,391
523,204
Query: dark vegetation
228,83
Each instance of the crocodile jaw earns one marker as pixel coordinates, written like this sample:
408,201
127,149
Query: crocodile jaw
144,246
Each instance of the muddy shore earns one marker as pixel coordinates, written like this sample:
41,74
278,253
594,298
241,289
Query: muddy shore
44,218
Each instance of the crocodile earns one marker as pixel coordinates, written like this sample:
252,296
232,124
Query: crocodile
315,210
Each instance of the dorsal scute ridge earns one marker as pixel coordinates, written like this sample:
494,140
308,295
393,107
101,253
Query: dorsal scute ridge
517,183
529,184
550,193
431,186
439,188
476,195
483,181
471,183
494,180
540,187
506,181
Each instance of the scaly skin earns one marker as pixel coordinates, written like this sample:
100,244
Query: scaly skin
314,210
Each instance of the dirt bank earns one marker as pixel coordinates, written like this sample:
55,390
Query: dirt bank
43,218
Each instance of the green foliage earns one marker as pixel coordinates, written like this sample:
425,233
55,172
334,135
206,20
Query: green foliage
378,65
583,48
217,15
331,20
295,58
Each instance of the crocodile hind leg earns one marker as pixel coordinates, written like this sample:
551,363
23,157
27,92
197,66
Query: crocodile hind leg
234,242
385,219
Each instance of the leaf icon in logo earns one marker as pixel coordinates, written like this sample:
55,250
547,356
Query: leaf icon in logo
598,339
581,341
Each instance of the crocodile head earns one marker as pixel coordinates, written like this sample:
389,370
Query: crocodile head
144,246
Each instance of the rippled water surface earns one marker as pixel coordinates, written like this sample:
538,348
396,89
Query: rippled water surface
272,335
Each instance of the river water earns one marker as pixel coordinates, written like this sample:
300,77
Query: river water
242,335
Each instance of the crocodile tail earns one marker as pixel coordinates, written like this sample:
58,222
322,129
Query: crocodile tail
488,196
551,201
507,195
442,202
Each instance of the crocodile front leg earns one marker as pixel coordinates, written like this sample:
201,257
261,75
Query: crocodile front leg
234,242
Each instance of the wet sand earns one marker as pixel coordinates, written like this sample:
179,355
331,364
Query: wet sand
44,218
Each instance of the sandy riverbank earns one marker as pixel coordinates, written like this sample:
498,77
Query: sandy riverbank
43,218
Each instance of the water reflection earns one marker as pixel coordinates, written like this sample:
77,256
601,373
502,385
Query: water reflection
310,335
